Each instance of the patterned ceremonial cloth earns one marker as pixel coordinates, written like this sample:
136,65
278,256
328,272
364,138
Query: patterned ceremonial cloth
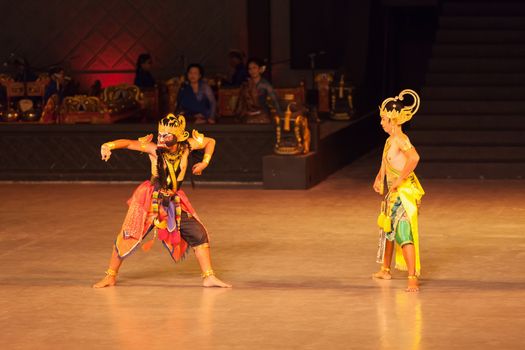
139,222
409,193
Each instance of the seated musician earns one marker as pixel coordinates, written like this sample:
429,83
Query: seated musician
196,97
252,106
143,77
57,84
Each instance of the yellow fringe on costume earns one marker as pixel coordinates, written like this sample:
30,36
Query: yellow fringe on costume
410,193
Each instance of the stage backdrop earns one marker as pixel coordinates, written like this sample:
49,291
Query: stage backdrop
101,39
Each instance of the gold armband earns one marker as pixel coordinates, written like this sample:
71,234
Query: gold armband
206,159
405,145
111,145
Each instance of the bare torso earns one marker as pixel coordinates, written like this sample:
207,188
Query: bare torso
395,157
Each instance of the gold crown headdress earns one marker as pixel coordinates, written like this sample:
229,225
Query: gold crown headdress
406,112
175,125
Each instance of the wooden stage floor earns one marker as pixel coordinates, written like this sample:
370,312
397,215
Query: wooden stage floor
300,263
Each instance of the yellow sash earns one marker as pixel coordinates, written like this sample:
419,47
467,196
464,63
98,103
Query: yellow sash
410,193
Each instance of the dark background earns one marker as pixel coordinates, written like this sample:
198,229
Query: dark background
378,45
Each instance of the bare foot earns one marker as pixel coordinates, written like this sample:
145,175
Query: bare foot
382,274
108,281
212,281
413,285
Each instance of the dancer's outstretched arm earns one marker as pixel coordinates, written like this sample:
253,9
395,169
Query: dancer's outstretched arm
143,144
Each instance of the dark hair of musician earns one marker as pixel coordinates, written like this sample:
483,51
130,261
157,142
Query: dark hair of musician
143,58
195,65
256,61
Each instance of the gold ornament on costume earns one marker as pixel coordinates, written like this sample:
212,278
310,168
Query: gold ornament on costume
175,125
208,273
197,136
145,140
405,113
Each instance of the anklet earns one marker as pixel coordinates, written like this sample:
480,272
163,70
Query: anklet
208,273
412,277
385,269
111,272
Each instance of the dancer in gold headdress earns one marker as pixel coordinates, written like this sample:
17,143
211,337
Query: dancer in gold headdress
399,215
159,206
